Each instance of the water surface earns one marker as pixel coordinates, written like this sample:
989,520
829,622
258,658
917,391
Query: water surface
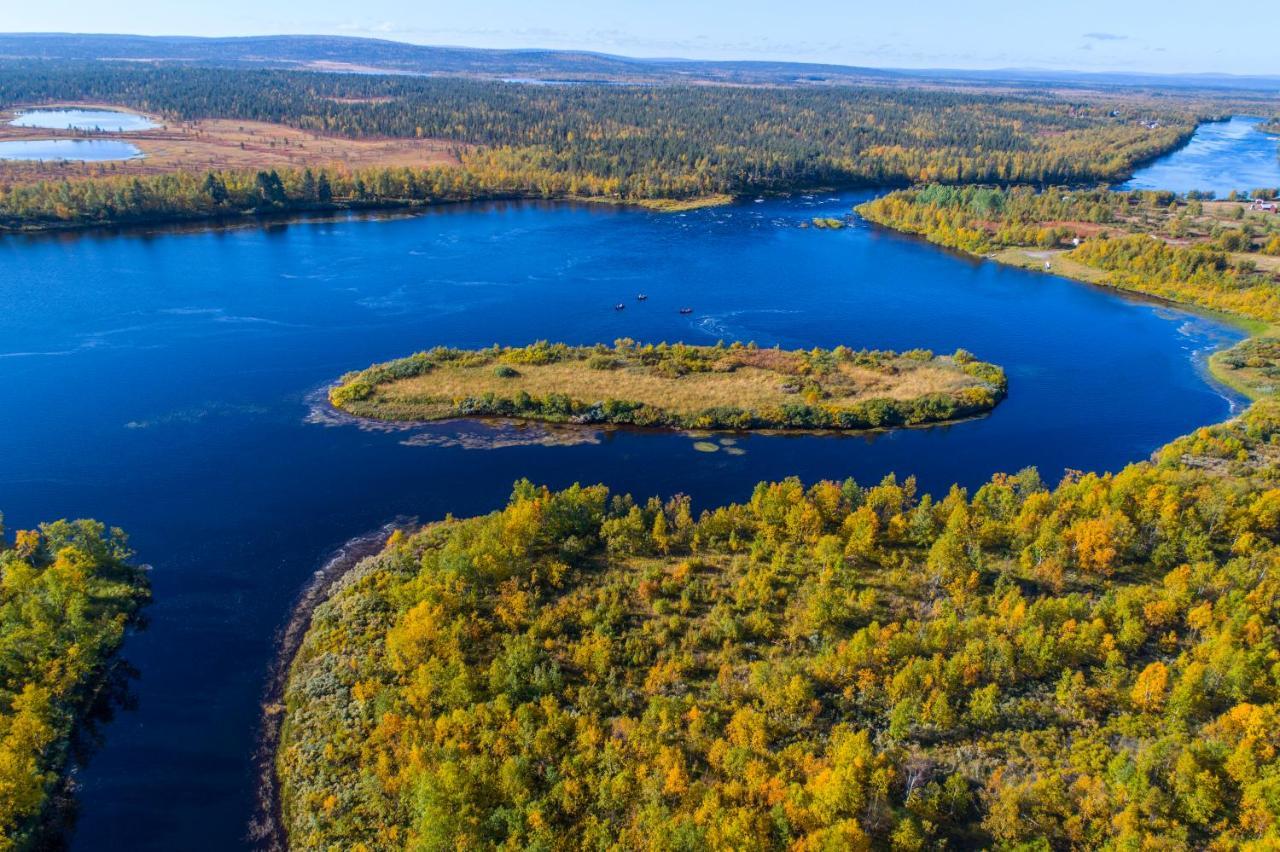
90,150
1221,157
107,120
163,382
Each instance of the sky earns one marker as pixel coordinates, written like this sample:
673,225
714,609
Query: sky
1159,36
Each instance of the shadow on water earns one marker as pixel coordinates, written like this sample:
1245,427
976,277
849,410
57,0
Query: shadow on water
116,693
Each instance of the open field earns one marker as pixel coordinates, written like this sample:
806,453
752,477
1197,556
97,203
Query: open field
676,386
219,144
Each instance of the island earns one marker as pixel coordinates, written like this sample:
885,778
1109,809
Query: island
677,386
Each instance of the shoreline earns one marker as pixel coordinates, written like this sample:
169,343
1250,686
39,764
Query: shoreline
346,418
1254,329
266,826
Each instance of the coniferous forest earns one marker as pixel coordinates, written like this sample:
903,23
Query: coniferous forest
623,143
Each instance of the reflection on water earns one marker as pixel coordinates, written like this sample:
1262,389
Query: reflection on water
1221,157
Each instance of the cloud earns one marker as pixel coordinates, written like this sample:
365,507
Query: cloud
1106,37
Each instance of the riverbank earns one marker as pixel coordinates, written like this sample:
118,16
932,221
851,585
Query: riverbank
676,386
266,829
1215,258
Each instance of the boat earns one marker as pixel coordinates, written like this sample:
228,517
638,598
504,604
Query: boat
641,297
686,310
619,307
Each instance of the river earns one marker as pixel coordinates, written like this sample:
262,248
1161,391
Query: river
1220,157
166,382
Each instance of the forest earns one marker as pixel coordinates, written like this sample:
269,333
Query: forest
1185,250
624,143
840,666
677,386
68,594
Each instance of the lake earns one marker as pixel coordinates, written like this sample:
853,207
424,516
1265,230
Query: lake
90,150
1221,157
167,383
106,120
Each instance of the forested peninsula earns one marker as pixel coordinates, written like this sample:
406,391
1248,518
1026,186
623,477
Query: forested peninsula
68,594
631,144
677,386
840,666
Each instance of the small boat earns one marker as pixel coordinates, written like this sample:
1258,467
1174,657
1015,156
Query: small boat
641,297
686,310
619,307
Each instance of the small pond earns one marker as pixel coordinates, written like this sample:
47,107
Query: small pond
89,150
106,120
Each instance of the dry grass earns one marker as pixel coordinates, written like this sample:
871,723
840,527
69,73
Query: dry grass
1059,262
748,386
218,144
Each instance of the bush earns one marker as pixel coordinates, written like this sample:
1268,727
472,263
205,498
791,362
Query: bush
603,362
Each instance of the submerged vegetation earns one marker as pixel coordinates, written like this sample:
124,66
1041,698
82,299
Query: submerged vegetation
622,143
834,667
677,386
67,596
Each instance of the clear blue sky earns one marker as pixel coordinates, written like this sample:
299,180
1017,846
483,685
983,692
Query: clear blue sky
1233,36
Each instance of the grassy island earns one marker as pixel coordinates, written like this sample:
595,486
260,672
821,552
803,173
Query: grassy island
677,386
67,596
833,667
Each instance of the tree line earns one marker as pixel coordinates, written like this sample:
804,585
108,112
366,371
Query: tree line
654,142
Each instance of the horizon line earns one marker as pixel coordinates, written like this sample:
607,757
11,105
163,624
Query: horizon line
900,69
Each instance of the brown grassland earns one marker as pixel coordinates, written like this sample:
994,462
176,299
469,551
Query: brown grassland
678,385
755,384
222,145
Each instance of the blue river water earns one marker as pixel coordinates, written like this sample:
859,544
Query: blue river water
166,382
1221,157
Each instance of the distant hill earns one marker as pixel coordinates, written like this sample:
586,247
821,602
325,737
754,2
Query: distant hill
367,55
